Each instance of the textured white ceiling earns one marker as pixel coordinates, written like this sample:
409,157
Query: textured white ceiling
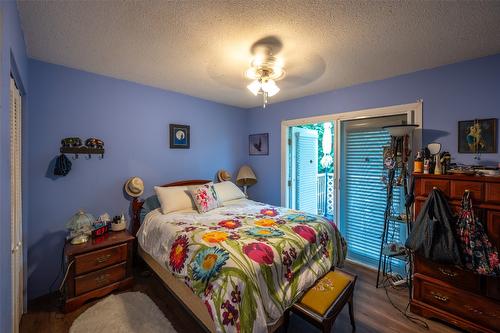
202,48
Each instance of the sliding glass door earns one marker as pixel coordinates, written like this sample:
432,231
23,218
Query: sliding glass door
362,190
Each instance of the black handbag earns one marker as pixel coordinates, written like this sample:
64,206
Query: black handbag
432,236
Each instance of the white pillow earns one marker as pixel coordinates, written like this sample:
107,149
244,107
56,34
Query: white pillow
228,191
174,198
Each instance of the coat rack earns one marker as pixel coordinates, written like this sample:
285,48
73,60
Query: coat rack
83,151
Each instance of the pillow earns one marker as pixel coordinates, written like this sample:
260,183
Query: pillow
174,198
205,198
149,205
228,191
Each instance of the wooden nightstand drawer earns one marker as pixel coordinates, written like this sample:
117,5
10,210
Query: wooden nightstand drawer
98,259
98,279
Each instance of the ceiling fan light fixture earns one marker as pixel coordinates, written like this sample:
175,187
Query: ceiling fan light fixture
265,69
270,87
254,87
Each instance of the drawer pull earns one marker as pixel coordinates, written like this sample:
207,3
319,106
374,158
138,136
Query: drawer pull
104,258
439,297
102,280
447,272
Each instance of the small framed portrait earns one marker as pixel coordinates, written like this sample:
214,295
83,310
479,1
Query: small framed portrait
258,144
477,136
179,136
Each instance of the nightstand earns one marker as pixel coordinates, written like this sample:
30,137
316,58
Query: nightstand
98,267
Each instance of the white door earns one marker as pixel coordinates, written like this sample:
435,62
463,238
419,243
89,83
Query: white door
16,205
304,170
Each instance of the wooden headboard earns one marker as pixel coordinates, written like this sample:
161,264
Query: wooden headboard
137,204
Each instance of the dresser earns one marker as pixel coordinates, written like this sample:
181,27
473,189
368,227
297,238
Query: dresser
98,267
447,292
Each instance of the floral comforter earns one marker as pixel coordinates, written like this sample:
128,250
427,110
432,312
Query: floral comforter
247,261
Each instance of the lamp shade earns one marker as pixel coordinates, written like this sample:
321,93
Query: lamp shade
246,177
80,224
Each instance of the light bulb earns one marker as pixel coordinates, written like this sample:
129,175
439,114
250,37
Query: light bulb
270,87
254,87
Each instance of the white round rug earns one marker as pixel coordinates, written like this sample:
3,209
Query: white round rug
131,312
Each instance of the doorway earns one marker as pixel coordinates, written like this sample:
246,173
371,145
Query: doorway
311,168
355,175
16,204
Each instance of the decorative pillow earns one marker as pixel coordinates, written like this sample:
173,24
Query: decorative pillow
205,198
228,191
149,205
174,198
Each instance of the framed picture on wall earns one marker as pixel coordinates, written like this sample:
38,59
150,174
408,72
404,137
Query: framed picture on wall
179,136
258,144
477,136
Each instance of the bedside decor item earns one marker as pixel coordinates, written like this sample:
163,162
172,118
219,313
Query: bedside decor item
477,136
63,166
134,187
119,223
179,136
80,227
223,175
97,268
246,177
258,144
101,225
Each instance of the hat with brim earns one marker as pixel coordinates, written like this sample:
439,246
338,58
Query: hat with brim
134,187
223,175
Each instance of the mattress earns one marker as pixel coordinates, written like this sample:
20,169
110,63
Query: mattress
247,262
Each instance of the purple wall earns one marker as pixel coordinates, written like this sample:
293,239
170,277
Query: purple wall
13,60
461,91
133,121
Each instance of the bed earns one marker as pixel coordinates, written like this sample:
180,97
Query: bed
238,267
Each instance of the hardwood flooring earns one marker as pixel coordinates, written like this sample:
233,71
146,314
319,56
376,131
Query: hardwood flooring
372,310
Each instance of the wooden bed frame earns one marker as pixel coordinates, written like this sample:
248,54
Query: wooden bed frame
192,303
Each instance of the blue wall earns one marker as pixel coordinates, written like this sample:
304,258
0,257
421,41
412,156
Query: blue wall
13,59
461,91
133,121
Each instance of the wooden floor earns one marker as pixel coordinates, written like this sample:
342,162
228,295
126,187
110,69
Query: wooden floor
372,310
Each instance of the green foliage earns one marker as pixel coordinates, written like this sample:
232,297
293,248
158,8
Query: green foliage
319,128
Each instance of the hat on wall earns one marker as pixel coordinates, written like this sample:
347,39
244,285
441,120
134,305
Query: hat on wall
223,175
134,187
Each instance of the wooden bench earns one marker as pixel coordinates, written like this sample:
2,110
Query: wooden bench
322,303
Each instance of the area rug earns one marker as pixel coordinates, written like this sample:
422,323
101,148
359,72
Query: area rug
131,312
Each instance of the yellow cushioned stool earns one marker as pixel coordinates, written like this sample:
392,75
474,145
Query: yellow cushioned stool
321,304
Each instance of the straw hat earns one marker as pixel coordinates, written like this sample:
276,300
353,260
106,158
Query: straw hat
223,175
134,187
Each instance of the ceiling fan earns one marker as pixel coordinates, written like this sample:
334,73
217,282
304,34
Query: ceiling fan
265,69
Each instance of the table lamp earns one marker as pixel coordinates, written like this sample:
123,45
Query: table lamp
246,178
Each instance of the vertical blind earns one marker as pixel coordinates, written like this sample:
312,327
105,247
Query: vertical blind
306,163
364,194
